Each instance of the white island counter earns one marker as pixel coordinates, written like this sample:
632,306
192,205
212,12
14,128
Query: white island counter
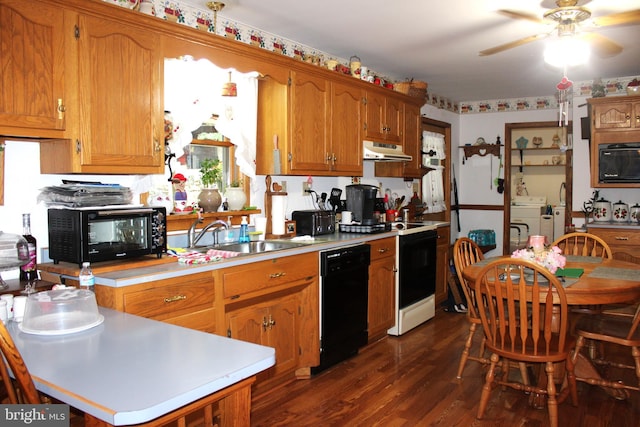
131,370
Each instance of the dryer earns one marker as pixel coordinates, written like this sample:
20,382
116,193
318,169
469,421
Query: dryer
525,218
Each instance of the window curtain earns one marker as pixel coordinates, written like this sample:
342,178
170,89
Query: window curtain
193,93
433,182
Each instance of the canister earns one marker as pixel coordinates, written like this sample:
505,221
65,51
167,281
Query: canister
602,211
635,213
620,212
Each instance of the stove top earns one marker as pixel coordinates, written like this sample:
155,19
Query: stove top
405,228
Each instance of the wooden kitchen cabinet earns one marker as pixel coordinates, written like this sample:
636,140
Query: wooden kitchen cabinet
383,118
624,242
276,303
272,323
411,145
620,112
34,74
316,123
442,264
187,301
613,120
119,126
382,284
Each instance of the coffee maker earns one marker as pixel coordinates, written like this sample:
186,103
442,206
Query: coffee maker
361,200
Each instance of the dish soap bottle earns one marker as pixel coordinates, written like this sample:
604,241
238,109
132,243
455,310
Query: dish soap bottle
244,232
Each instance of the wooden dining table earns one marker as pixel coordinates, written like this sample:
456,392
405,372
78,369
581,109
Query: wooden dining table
603,281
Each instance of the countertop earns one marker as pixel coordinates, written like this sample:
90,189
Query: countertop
130,369
613,224
167,270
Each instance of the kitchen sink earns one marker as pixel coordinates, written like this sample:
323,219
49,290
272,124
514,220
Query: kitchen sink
254,247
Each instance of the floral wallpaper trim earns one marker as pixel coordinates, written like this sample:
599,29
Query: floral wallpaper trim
174,11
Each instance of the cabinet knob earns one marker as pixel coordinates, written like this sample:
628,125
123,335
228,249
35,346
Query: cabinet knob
277,275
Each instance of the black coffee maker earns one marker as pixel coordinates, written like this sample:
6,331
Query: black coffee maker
361,200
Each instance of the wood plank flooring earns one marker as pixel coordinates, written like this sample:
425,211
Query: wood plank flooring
410,381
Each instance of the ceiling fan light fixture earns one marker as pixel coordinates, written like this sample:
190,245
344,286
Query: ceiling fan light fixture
566,52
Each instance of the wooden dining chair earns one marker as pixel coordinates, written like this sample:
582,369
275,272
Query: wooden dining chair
583,244
524,314
465,253
610,329
22,389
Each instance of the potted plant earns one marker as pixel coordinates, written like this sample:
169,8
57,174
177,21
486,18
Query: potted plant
209,198
236,198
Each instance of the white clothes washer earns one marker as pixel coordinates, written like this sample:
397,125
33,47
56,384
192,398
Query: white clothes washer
525,219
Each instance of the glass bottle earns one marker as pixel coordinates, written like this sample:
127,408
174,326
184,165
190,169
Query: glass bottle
29,271
86,279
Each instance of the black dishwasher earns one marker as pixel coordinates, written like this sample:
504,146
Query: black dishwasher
343,303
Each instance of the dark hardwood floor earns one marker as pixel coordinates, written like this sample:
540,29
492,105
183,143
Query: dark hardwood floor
410,381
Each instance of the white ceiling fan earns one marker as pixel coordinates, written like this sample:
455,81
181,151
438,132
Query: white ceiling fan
572,21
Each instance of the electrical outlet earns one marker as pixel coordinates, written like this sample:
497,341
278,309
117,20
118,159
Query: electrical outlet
416,187
355,180
306,188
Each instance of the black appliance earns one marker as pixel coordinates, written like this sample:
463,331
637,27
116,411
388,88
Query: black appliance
343,303
619,163
314,222
101,234
361,201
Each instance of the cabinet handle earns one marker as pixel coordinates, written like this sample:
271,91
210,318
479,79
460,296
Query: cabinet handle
61,109
272,322
383,250
622,238
265,324
328,157
175,298
277,275
156,145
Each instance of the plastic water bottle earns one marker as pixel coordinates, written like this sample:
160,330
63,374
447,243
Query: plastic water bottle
87,281
244,231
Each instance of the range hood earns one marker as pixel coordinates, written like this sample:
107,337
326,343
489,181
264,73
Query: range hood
382,152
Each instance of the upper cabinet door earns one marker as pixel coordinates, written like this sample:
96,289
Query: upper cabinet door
346,135
309,111
32,74
121,125
383,118
375,126
394,119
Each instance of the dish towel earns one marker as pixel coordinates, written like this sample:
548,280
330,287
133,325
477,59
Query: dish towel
195,257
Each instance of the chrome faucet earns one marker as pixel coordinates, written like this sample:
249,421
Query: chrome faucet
193,239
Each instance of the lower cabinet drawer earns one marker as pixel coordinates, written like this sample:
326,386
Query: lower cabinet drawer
172,297
382,248
619,239
267,274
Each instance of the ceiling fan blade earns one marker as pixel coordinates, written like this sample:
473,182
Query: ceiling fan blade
512,44
623,18
602,46
520,15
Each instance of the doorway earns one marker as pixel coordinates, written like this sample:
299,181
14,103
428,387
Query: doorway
538,164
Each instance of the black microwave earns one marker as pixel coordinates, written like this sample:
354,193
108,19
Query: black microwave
95,234
619,163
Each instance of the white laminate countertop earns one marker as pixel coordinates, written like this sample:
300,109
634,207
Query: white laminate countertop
130,369
633,225
135,276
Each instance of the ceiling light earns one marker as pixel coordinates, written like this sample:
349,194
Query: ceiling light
566,52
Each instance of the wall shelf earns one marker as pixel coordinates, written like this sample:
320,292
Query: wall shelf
481,150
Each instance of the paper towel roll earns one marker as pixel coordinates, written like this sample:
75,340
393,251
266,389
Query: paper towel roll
278,204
